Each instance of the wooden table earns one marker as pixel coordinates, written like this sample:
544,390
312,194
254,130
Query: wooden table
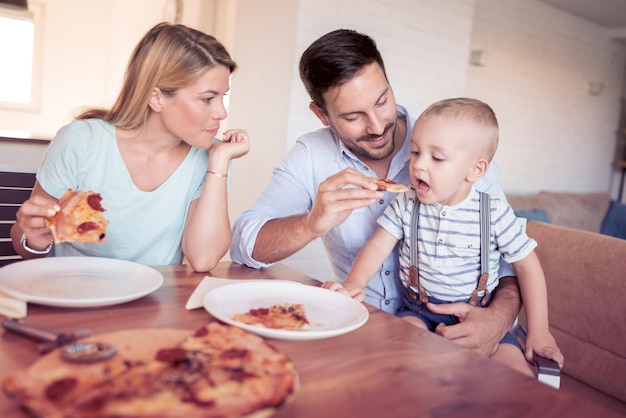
386,368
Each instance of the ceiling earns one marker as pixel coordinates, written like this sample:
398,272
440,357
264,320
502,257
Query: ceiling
610,14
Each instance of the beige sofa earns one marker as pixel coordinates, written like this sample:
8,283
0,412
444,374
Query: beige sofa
586,280
584,211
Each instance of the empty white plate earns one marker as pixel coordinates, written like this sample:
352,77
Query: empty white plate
77,282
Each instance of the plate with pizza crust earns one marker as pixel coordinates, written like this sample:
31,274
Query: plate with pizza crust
329,313
78,282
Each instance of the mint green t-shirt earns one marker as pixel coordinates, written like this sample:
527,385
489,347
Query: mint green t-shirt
145,227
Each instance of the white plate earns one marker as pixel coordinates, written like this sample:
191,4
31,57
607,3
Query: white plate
329,313
78,282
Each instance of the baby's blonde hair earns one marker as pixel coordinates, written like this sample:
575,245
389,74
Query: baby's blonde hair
480,114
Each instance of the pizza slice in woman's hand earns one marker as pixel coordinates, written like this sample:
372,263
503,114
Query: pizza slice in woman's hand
80,219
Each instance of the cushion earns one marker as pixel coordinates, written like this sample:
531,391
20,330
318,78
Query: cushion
584,211
585,282
615,222
533,215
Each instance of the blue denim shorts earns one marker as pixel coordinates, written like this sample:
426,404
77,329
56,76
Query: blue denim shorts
419,310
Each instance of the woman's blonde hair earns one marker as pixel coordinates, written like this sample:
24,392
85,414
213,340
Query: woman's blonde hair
170,57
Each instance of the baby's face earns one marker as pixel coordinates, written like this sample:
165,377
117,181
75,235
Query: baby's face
443,157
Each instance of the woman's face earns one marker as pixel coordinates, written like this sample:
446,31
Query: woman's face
193,114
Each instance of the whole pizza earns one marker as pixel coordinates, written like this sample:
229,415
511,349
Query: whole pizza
216,371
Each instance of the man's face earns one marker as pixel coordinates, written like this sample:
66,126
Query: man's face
362,114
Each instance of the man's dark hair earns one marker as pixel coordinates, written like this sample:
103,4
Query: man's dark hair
334,59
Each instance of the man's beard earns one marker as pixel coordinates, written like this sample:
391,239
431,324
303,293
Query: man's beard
378,153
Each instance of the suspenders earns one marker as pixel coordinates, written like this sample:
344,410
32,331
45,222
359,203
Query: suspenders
485,236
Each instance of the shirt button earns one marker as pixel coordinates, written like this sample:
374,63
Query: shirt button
440,241
387,273
387,302
381,201
444,213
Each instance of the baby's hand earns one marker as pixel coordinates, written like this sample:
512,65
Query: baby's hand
355,293
544,345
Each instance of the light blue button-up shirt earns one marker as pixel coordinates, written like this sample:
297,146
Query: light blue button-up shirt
292,190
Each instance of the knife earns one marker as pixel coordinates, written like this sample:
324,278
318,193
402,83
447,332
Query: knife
50,339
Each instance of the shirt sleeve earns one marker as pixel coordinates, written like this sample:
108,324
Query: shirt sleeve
489,184
66,160
392,218
290,192
513,242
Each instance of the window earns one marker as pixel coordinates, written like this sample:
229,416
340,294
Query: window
19,49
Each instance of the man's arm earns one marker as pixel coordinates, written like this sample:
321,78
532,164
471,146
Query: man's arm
482,328
304,200
280,238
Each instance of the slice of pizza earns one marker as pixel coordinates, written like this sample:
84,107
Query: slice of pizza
80,219
285,316
387,185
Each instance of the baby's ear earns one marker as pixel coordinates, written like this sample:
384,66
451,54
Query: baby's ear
479,169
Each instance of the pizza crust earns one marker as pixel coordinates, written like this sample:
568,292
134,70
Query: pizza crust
285,316
141,383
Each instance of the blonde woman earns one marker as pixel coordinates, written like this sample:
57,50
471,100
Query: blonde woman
153,157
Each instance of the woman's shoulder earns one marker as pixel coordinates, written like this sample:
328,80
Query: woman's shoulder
85,130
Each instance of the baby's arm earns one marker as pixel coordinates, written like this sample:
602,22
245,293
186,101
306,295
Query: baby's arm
532,284
366,264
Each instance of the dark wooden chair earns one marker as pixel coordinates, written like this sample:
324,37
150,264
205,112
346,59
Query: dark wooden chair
15,188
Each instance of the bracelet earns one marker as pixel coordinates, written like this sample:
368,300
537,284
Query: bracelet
217,174
32,250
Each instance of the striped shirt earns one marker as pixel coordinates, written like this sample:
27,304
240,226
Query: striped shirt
449,243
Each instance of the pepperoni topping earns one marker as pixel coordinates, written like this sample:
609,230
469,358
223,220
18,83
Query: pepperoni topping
260,312
59,388
233,353
172,355
94,201
86,227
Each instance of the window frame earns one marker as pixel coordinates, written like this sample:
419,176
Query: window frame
36,12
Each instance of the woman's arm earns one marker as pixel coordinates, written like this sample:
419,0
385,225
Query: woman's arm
207,233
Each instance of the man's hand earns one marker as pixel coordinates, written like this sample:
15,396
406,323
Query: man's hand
482,328
335,202
476,330
281,237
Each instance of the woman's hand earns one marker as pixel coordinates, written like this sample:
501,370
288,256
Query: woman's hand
31,220
235,143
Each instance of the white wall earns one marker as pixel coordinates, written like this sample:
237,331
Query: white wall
86,46
537,63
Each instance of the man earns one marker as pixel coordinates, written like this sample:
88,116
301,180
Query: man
321,189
